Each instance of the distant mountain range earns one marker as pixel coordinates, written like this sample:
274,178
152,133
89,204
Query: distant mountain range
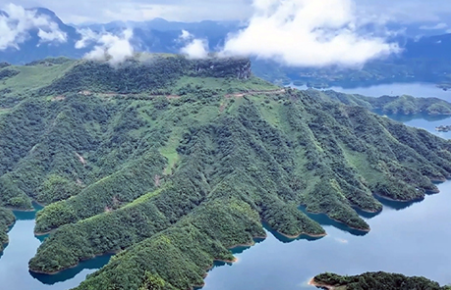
157,35
425,54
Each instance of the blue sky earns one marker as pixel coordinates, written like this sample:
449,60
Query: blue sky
80,11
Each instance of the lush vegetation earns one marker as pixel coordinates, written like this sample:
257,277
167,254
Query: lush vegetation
6,220
171,162
379,280
154,74
7,73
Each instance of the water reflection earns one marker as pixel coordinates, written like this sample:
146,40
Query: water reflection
285,239
324,220
396,205
71,273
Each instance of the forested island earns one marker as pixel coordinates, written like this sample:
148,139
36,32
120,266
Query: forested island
393,105
378,280
443,128
170,162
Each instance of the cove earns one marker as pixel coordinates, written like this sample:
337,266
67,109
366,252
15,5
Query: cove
407,238
14,274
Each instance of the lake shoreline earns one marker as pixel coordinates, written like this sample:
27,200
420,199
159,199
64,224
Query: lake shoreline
72,266
343,223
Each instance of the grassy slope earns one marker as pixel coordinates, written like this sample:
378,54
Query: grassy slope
31,78
175,181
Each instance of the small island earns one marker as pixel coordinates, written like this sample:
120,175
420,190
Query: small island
377,280
443,128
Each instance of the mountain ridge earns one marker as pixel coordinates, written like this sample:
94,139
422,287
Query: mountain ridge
171,174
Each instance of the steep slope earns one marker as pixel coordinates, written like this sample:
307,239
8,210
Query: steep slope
6,219
172,161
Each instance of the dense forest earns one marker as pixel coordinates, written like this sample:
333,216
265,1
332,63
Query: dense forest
171,162
6,220
376,281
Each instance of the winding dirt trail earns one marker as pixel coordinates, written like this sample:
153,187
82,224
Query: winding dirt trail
252,93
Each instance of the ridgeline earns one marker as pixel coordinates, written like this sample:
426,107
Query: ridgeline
170,162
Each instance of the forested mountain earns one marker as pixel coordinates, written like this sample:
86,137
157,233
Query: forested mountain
171,162
379,280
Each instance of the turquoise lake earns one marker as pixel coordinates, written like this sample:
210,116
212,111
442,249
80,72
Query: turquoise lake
14,274
407,238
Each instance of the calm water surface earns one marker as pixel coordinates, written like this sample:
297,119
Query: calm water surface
412,239
14,274
418,90
408,238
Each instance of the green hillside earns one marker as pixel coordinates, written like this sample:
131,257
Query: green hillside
171,162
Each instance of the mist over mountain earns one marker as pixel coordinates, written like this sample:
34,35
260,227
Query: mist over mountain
417,40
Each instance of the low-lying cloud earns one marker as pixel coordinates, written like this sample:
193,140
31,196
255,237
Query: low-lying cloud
87,37
16,23
195,48
111,48
307,33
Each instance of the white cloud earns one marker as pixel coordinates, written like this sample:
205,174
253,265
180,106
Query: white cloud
15,27
185,35
87,37
196,49
438,26
114,49
307,33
